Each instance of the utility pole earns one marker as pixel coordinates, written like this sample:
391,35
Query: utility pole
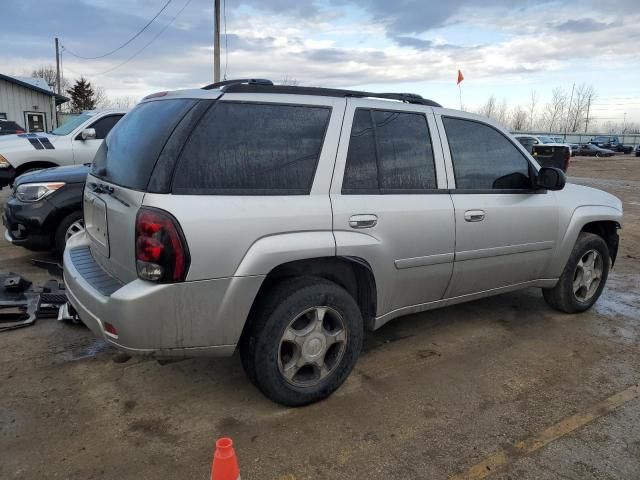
586,121
566,125
58,67
216,42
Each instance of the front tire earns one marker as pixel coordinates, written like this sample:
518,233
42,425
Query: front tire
584,276
303,339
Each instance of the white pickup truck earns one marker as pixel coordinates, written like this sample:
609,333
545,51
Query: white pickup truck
73,143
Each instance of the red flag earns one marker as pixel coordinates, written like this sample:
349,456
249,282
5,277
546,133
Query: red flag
460,77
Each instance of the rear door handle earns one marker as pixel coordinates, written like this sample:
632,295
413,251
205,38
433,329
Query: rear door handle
363,221
474,215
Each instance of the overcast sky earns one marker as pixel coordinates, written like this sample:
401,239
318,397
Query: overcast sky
503,47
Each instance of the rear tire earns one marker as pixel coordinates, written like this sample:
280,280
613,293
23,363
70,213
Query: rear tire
576,290
69,225
303,339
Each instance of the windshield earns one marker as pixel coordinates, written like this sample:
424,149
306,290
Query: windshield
72,124
546,139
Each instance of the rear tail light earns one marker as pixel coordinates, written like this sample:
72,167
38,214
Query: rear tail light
567,159
161,251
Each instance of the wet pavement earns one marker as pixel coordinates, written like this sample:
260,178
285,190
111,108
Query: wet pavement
501,388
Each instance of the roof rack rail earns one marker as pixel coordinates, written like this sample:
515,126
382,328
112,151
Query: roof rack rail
238,81
255,87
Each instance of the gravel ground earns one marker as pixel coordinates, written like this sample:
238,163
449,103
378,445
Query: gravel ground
433,394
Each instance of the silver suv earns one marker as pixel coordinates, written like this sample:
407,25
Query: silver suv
283,221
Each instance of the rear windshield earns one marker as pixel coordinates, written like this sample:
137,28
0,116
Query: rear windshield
131,150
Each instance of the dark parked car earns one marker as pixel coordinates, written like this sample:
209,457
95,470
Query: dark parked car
590,150
546,152
45,208
638,151
611,142
9,127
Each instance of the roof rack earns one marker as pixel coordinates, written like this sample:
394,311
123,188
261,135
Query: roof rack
238,81
241,87
261,85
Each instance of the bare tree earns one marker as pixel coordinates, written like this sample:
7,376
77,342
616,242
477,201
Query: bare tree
554,111
124,102
489,108
48,74
518,119
495,109
583,96
533,103
290,81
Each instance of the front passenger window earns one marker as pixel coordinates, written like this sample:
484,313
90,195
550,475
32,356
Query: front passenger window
483,158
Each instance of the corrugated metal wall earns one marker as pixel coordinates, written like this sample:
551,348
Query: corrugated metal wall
15,100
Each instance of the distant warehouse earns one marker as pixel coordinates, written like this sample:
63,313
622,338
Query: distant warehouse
30,102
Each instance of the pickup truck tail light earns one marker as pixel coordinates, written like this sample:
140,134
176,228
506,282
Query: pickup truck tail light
567,159
161,250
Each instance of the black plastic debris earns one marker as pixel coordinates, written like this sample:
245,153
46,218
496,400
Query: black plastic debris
21,303
15,283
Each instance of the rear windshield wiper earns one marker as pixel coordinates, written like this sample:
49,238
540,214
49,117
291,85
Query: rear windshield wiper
107,190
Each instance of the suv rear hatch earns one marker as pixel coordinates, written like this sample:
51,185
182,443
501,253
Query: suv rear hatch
123,171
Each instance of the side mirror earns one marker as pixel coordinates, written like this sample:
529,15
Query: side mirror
88,134
551,178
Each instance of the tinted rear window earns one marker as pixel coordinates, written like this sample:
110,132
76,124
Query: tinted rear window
131,150
253,149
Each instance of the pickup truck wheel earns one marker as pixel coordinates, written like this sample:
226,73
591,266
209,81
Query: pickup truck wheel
303,341
70,225
584,276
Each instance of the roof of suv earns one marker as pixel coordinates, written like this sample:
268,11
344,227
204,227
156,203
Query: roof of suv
266,86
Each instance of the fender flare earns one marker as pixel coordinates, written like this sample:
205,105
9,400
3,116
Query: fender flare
268,252
581,216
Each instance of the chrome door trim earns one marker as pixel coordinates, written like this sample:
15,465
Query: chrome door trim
424,261
506,250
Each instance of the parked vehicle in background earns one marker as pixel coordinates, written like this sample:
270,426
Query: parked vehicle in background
286,220
559,140
611,142
45,208
73,143
546,152
591,150
9,127
638,151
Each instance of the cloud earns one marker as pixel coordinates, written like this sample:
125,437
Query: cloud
583,25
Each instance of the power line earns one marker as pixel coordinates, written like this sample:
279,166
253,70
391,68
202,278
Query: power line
125,43
146,45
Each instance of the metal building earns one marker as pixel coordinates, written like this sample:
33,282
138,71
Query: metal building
30,102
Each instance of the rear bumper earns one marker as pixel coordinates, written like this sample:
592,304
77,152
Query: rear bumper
200,318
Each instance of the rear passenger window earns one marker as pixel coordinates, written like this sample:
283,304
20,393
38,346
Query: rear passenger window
104,125
389,152
253,149
483,158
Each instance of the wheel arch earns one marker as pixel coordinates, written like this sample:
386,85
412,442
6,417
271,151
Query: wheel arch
599,219
34,164
354,274
608,231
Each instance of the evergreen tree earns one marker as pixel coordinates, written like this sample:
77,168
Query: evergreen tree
82,96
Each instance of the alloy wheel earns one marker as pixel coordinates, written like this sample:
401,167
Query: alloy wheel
312,346
74,228
588,275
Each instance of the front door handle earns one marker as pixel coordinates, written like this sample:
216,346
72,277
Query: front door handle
474,215
363,221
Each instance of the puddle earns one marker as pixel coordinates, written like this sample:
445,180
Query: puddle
82,350
621,297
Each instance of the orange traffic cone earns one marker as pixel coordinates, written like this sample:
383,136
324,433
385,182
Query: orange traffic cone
225,463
